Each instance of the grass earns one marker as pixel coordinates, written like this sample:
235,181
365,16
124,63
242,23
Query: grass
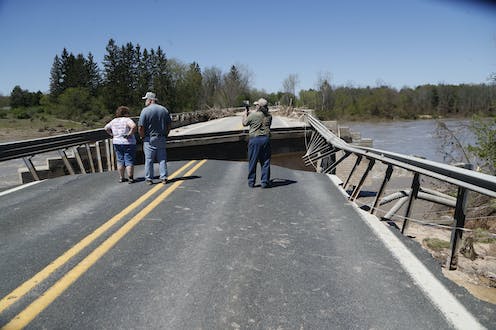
483,236
436,244
38,124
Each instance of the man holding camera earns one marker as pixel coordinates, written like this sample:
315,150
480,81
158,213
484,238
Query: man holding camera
259,149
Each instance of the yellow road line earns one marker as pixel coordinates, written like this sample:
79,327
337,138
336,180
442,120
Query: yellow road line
37,306
24,288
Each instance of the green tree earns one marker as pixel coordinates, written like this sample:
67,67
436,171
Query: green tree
4,101
144,76
161,79
119,75
234,87
485,145
56,78
18,97
310,98
190,88
76,103
94,78
21,98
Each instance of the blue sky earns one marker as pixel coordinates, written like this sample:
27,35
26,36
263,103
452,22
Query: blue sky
354,42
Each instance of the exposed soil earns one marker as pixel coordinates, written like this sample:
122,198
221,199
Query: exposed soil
11,135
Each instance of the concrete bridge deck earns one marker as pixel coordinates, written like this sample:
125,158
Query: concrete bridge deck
206,251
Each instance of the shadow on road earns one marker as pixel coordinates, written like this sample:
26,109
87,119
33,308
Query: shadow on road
280,182
183,178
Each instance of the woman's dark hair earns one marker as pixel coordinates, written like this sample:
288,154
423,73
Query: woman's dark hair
122,111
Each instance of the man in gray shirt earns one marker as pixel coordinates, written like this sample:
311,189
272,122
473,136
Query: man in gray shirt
154,125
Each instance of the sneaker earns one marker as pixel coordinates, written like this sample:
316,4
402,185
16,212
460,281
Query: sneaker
164,181
149,182
265,185
122,180
131,180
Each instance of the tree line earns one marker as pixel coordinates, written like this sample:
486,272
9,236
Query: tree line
80,89
408,103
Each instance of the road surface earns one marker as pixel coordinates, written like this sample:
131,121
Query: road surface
206,251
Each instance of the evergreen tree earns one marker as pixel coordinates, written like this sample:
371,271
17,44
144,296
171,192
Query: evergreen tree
191,88
144,76
116,88
94,79
161,79
56,78
64,59
235,88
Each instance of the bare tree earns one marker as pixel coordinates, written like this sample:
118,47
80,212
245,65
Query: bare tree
325,89
289,84
289,87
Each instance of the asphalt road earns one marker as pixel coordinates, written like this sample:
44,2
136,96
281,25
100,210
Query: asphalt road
204,251
232,124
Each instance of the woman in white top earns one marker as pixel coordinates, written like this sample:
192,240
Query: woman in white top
122,129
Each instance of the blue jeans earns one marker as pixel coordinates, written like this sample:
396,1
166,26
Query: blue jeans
259,150
125,154
154,149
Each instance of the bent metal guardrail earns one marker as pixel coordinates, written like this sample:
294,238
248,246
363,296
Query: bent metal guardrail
324,146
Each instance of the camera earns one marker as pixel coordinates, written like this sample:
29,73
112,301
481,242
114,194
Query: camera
246,103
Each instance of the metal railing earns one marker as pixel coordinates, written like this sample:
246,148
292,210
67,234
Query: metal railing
26,149
93,140
324,147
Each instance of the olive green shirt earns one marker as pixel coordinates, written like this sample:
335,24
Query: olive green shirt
259,123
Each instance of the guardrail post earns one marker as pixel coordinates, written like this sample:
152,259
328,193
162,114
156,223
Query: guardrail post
107,153
358,188
358,160
413,196
66,162
79,160
332,160
332,169
457,233
32,169
90,158
387,177
99,156
112,156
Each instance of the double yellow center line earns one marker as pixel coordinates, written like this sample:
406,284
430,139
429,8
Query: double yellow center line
37,306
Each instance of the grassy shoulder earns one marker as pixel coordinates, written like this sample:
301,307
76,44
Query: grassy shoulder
16,126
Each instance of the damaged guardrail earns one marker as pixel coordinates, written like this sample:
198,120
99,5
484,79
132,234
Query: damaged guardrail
324,147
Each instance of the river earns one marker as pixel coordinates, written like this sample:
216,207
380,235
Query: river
413,137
